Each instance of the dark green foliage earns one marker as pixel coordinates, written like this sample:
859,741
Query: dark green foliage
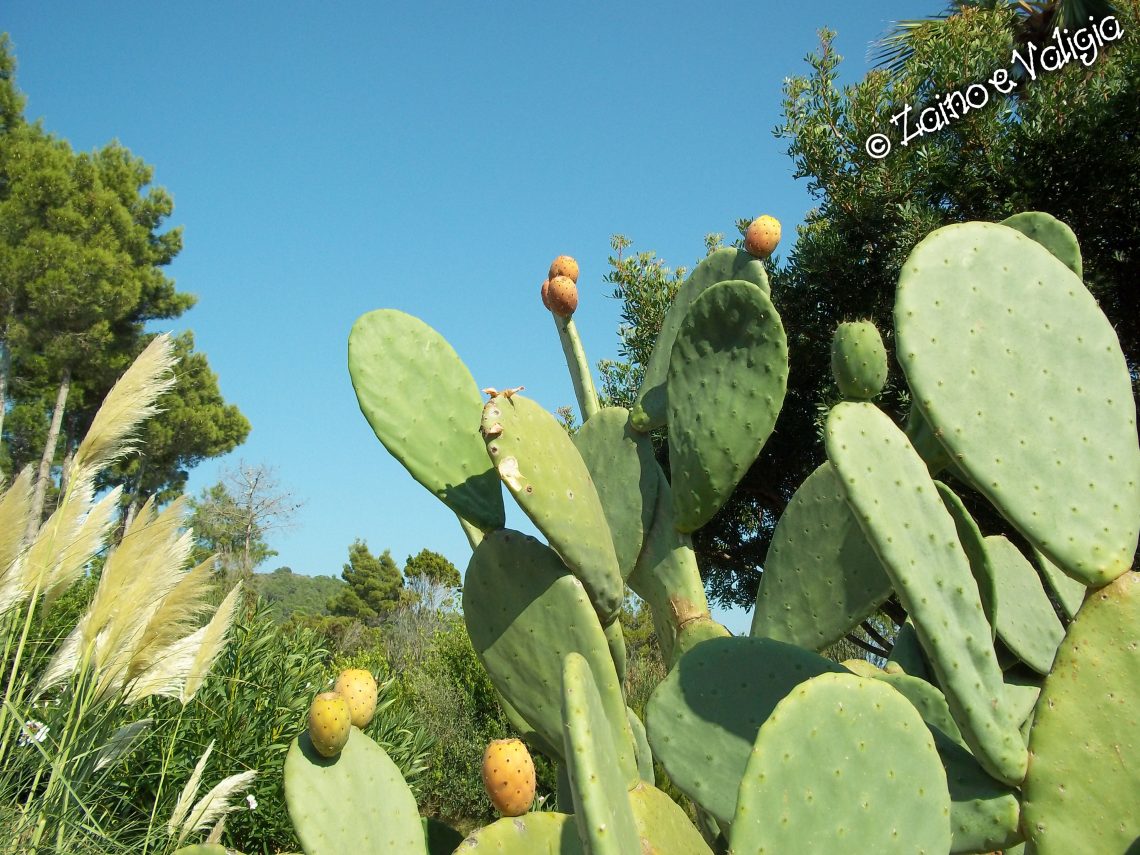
374,584
287,593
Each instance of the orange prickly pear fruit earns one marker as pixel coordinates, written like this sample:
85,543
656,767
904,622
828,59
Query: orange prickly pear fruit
330,722
546,293
566,266
562,296
508,776
762,236
358,687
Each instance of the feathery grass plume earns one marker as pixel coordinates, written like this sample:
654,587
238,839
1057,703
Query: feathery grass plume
178,669
89,538
186,797
130,401
215,804
15,505
175,617
122,741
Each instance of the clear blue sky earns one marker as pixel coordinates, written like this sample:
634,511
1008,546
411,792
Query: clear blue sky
328,159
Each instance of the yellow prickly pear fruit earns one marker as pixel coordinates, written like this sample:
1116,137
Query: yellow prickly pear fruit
508,776
762,236
358,687
566,266
329,723
562,296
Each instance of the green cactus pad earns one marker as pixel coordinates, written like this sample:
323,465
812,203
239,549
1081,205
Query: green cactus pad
907,653
424,406
821,577
858,360
1026,623
843,764
543,470
602,810
1012,362
542,833
898,505
524,611
202,849
663,826
921,436
354,802
1081,792
651,408
666,575
624,472
702,719
1022,689
930,703
974,545
441,839
615,638
1052,234
984,814
727,377
641,743
522,727
1069,592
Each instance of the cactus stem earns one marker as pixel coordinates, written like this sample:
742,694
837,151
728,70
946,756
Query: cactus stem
578,365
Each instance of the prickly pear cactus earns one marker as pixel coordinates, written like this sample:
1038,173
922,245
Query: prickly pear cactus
996,716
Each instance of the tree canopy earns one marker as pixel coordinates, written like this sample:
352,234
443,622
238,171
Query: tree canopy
374,584
1064,143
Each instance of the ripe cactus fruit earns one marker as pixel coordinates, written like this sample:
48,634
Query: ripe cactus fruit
561,296
358,687
330,722
762,236
508,776
566,266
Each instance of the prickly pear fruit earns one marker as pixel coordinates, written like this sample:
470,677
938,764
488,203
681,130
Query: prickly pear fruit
508,776
561,296
358,687
762,236
545,293
330,722
566,266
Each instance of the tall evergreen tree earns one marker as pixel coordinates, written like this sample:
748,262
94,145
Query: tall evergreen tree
374,584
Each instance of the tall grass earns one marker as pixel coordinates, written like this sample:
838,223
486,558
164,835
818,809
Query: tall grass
150,629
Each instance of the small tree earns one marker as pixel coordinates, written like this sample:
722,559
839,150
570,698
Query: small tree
374,585
432,580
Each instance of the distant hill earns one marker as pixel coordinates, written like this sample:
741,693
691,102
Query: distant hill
291,593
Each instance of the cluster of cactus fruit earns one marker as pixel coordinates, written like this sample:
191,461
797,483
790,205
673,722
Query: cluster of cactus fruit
1007,714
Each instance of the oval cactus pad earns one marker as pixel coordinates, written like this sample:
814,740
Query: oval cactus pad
727,377
649,411
703,717
1052,234
1084,776
333,813
890,490
538,833
424,406
1022,377
1026,622
843,764
542,469
821,577
524,612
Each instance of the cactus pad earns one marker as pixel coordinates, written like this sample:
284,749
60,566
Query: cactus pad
1081,792
1069,592
994,332
858,360
355,802
974,545
899,508
664,827
545,833
821,577
602,810
1052,234
424,406
545,473
843,764
1026,623
524,611
624,472
727,377
702,719
650,409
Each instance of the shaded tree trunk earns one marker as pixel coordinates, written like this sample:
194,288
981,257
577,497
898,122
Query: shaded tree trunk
5,370
43,476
